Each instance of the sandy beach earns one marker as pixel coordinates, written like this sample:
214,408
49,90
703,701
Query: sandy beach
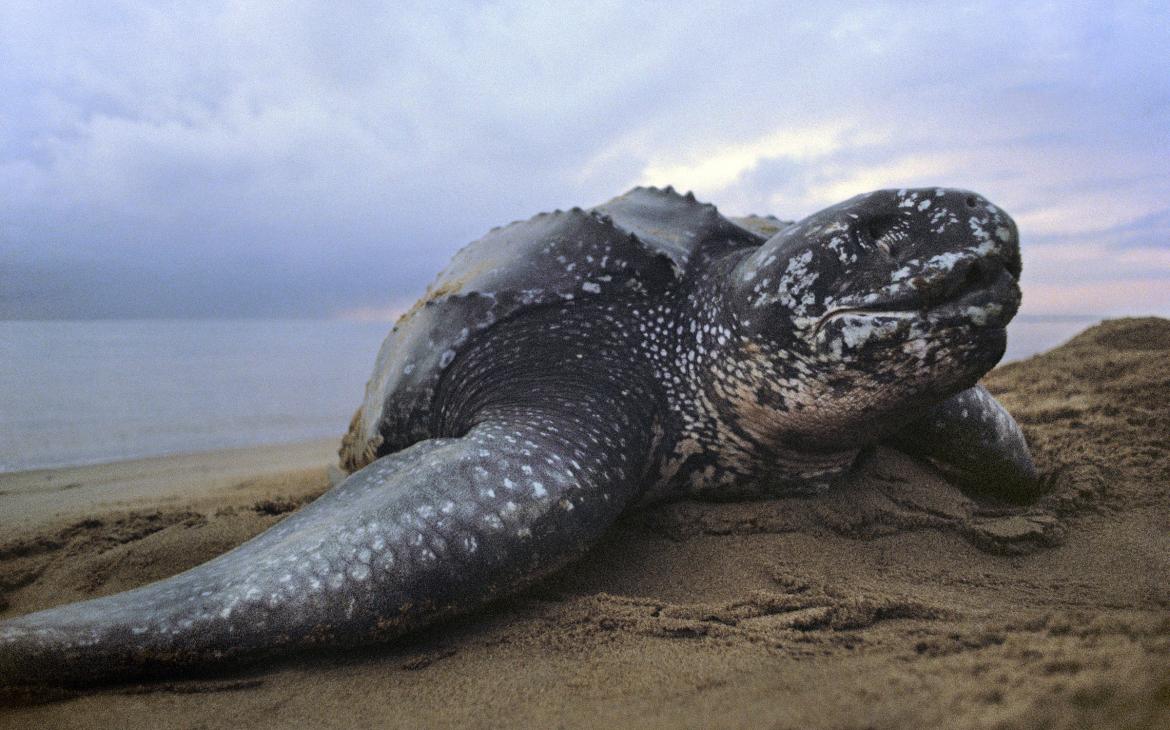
896,601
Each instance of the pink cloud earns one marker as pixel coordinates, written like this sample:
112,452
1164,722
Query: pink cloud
1122,297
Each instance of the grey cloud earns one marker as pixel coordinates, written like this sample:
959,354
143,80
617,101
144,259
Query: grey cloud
236,160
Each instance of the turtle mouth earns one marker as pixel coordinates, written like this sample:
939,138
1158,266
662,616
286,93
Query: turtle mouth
973,291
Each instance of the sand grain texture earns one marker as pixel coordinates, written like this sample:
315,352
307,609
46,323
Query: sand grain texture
897,601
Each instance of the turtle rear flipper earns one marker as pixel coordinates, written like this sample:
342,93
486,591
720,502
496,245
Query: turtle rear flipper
973,438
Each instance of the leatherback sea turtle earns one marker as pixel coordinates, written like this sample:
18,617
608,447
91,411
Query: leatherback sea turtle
564,368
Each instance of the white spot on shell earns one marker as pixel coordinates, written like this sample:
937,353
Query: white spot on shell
360,571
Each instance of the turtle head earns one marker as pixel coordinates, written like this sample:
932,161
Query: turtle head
890,299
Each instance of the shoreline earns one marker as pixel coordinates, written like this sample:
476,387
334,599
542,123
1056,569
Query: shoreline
290,444
58,415
40,496
1054,339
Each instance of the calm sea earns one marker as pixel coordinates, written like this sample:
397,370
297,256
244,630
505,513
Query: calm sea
89,392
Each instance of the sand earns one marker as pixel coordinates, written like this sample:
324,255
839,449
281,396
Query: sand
897,601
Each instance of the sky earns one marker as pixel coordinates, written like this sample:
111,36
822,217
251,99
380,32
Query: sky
304,159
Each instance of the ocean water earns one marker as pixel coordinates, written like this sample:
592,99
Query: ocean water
97,391
90,392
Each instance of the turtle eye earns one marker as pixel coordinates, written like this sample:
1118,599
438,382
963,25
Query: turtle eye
873,233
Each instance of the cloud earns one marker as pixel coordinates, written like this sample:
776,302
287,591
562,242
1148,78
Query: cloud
371,314
1093,278
244,159
715,168
1133,297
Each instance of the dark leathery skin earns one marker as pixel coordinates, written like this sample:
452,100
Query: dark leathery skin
547,456
975,439
566,367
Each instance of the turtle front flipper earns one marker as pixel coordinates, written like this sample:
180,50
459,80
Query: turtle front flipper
973,438
430,531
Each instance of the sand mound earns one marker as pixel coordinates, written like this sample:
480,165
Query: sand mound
896,601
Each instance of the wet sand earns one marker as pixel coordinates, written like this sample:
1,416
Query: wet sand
897,601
